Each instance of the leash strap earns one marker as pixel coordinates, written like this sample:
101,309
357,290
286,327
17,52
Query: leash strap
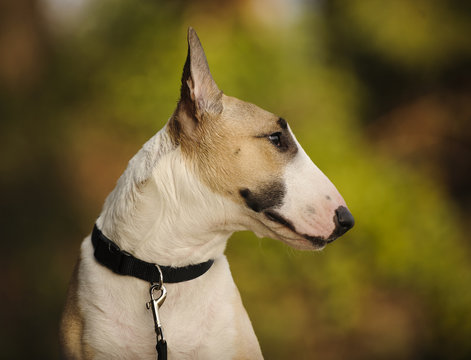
161,349
121,262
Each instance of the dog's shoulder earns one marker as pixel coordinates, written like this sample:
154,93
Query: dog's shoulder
71,326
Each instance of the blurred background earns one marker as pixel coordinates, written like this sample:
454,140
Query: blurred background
377,92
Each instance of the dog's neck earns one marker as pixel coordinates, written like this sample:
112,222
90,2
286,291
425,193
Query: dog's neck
160,212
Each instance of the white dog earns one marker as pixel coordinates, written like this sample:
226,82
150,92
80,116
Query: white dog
219,165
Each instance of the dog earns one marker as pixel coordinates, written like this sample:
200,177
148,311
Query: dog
218,166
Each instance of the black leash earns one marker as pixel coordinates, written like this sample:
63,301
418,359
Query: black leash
121,262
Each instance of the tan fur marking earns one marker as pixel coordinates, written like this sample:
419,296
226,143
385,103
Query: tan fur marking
71,327
87,352
227,150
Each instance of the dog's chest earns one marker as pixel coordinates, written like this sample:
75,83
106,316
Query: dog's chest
197,316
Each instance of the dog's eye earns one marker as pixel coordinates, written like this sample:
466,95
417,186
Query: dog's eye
275,139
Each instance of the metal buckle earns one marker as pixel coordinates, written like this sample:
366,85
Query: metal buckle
161,277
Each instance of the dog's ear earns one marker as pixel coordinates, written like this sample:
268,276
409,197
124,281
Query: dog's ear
200,96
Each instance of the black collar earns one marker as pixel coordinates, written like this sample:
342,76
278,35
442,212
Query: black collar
121,262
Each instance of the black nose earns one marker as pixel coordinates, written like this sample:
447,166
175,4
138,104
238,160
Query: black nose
344,220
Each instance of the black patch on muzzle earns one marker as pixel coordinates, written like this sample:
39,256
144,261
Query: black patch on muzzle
268,196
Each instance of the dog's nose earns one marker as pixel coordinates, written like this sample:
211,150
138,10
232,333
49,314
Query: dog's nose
344,220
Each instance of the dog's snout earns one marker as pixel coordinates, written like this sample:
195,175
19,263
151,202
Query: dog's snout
344,220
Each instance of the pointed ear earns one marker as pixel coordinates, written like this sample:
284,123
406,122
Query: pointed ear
200,96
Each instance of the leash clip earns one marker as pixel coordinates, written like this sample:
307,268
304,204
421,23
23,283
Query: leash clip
155,303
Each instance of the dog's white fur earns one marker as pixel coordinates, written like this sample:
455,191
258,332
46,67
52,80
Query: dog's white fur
163,212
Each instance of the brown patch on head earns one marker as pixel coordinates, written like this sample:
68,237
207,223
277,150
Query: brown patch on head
232,151
233,145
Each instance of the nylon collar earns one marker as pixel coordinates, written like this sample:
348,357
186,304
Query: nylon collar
108,254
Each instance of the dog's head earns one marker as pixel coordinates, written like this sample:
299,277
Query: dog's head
251,157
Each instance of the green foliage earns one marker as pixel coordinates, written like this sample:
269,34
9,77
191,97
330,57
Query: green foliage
411,33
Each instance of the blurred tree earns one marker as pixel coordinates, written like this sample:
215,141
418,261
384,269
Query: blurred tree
23,44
